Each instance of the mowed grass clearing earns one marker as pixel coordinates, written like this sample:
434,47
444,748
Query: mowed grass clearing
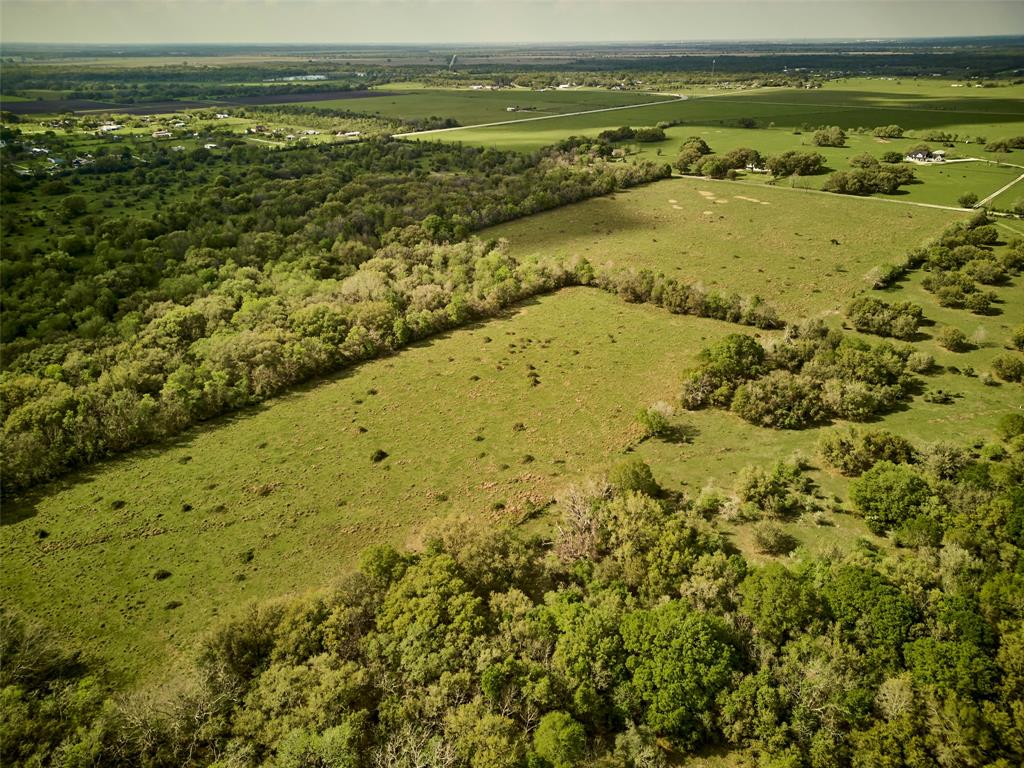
736,238
282,499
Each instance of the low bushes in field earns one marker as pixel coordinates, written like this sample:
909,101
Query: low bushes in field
1005,145
953,339
853,451
627,133
646,286
793,163
695,157
833,136
811,377
958,263
899,320
1009,366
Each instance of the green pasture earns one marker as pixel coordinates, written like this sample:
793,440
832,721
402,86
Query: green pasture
992,118
137,557
784,115
938,184
734,237
472,107
1007,199
280,499
293,482
722,444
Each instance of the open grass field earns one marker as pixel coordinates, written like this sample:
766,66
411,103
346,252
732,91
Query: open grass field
1009,198
733,237
722,444
938,184
934,108
473,107
281,500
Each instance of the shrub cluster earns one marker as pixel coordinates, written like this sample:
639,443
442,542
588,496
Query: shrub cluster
626,133
956,262
899,320
962,258
833,136
814,375
782,491
888,132
1005,145
853,451
691,153
718,166
645,286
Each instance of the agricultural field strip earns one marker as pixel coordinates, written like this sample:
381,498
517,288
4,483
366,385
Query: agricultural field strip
543,117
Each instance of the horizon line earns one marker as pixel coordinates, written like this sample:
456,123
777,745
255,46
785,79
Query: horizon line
521,43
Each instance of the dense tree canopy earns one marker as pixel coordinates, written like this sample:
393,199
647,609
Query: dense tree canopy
633,638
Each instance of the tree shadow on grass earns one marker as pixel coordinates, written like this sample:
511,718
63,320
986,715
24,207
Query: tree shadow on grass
679,434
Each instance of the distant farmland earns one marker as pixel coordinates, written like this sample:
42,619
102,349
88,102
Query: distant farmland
57,106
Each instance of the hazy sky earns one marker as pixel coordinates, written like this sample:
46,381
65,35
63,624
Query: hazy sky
494,21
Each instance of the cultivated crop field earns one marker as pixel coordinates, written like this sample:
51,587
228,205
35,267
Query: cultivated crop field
775,243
